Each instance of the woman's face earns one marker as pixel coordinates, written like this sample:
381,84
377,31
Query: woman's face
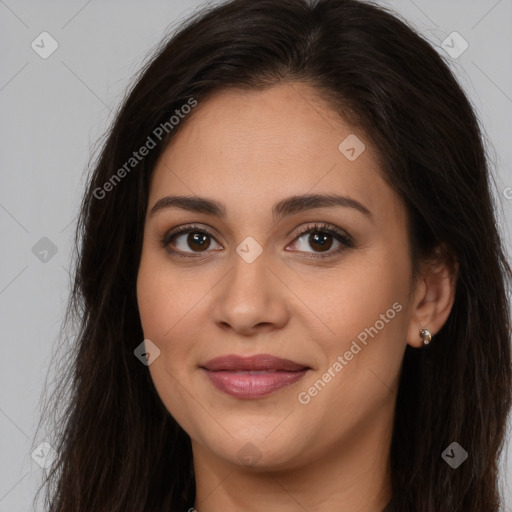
338,306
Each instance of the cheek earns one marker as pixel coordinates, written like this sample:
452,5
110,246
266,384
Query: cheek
163,306
366,312
171,303
164,320
363,356
365,287
163,298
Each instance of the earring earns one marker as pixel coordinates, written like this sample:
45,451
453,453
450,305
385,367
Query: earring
425,334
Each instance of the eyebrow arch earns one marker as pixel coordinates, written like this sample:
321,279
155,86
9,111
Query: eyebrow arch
283,208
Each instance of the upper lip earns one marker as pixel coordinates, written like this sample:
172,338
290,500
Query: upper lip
253,363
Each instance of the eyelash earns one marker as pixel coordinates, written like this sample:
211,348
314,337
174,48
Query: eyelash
344,239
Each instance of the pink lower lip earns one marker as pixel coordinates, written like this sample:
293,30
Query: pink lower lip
252,385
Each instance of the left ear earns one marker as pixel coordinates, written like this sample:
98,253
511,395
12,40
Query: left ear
434,295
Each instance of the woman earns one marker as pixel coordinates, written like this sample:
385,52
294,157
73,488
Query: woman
290,284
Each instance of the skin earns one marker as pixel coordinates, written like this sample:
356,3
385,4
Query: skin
249,150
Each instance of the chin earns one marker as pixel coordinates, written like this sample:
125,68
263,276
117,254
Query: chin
256,449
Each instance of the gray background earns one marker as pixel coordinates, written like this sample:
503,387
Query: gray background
53,110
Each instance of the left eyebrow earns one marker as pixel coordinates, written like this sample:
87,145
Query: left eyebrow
307,202
283,208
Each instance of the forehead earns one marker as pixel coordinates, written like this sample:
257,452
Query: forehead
251,148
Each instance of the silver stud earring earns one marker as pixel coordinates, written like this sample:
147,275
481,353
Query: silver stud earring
425,334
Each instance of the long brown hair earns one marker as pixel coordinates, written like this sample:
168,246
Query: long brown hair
119,448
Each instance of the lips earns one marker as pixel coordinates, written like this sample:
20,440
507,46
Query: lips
254,363
252,377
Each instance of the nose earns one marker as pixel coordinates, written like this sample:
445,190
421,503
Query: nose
251,298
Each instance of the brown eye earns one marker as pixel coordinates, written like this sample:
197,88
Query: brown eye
191,241
321,238
198,241
188,240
